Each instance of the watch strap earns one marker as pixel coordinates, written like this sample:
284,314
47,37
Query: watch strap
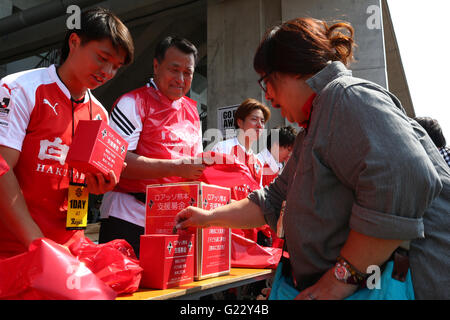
347,273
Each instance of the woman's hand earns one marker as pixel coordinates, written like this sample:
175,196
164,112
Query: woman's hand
327,288
193,217
98,184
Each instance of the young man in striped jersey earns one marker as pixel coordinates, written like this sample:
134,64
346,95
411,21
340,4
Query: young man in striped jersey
39,113
163,128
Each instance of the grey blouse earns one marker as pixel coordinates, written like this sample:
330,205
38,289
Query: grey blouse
362,165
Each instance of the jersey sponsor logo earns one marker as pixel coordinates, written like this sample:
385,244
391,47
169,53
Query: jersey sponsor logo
45,101
4,110
4,103
56,151
53,150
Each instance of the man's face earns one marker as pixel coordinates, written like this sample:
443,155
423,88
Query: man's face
95,62
173,75
253,124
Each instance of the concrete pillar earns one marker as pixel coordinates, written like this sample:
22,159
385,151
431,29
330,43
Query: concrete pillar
398,84
189,23
365,17
5,10
235,28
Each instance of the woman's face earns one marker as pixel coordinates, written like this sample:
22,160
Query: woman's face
289,93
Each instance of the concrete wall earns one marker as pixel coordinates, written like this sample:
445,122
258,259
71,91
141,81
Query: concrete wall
190,24
398,84
370,61
235,28
227,33
5,10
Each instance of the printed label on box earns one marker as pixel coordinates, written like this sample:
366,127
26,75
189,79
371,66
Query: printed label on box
96,147
114,150
167,260
163,202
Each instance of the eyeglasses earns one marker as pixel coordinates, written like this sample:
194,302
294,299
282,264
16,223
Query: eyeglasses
262,83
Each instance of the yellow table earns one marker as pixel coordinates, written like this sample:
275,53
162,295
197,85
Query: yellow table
237,277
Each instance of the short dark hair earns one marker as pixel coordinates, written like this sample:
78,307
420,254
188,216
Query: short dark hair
246,107
98,24
286,137
181,44
433,129
303,46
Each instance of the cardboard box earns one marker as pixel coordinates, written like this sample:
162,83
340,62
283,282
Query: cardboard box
96,147
213,245
167,260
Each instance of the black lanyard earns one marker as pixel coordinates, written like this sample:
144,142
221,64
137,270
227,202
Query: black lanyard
72,100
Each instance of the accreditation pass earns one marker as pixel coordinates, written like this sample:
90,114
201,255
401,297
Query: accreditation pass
77,206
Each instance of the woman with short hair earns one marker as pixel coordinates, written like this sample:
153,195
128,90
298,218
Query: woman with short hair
362,177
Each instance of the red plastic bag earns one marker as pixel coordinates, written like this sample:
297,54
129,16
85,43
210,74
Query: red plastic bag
246,253
226,170
114,262
4,168
49,271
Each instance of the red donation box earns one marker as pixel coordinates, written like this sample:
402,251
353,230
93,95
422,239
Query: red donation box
96,147
213,244
167,260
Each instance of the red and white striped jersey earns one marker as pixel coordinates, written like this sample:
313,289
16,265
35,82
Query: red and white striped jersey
36,119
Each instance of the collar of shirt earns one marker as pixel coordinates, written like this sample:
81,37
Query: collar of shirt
55,77
151,83
270,160
236,141
332,71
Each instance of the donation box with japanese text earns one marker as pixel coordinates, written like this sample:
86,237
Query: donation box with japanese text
213,244
96,147
167,260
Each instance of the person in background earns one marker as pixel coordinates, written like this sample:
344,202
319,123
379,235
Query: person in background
277,152
434,130
249,120
41,109
163,131
363,177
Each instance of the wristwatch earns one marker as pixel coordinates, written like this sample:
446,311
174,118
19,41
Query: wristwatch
346,273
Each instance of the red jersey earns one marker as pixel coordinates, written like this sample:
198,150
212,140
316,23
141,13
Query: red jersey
232,146
271,167
38,123
156,127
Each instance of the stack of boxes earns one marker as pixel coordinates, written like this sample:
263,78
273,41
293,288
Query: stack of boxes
169,259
